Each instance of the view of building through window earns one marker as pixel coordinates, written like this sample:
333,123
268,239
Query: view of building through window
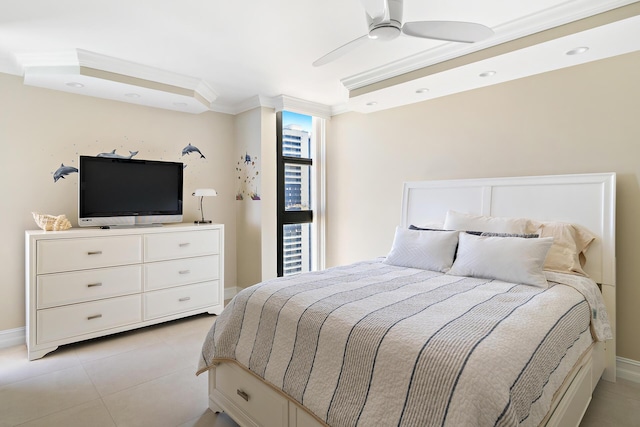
297,143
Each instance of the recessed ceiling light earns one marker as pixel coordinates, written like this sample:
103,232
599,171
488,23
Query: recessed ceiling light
180,104
422,90
372,103
487,74
132,95
577,50
74,84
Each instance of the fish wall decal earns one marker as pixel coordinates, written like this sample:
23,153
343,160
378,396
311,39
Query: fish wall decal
113,155
192,149
63,171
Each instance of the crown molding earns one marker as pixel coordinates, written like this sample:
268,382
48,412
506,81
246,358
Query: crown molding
549,18
283,102
59,58
248,104
206,92
297,105
340,109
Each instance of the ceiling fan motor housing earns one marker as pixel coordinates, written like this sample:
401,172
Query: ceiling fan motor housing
384,32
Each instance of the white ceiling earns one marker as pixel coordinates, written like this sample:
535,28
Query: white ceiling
237,53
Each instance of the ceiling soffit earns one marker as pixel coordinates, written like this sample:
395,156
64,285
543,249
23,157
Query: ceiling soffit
88,73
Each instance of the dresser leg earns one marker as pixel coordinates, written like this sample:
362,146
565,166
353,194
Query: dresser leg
216,311
38,354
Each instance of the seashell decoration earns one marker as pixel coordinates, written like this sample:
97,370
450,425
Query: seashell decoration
51,222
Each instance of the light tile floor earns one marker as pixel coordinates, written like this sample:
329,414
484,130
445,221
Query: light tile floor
147,378
144,377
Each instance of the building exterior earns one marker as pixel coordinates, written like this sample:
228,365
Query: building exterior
296,142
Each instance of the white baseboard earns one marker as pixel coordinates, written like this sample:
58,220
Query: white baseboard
11,337
628,369
230,292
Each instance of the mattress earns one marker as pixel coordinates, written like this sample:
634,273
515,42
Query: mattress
376,344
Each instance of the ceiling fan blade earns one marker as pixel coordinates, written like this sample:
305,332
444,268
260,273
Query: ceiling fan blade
376,9
465,32
337,53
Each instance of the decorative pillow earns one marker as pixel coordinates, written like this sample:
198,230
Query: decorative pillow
428,226
510,259
427,250
570,242
477,233
524,236
462,221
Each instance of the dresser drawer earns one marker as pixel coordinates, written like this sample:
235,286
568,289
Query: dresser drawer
255,398
85,253
88,285
183,298
164,246
77,319
165,274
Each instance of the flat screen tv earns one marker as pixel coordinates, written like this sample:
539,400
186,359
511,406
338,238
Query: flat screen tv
128,192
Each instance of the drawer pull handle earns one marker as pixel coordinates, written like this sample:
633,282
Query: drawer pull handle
182,245
184,299
184,271
94,253
93,285
95,316
243,395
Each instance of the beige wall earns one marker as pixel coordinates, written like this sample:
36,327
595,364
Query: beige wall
577,120
39,129
248,212
256,219
269,196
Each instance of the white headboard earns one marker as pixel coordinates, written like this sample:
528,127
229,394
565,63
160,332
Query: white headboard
585,199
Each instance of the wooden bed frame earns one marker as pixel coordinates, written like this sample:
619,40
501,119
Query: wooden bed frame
586,199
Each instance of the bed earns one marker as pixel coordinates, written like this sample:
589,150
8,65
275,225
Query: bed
383,343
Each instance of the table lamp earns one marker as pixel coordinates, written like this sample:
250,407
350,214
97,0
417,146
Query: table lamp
202,193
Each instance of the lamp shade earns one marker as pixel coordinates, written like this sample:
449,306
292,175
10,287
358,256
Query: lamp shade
205,192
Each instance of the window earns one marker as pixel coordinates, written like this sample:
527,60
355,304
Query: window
297,194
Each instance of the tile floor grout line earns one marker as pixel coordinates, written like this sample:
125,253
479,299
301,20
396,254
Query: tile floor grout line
115,423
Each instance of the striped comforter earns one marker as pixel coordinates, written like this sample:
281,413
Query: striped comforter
373,344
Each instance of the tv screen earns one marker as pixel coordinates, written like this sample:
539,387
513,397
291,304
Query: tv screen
128,192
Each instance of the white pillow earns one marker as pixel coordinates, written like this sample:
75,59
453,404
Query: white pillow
427,250
468,222
510,259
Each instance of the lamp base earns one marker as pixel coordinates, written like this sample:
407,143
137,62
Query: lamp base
206,221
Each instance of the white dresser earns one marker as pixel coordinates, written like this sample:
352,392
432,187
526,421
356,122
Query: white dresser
86,283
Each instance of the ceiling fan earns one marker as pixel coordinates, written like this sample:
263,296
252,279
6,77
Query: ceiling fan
385,23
